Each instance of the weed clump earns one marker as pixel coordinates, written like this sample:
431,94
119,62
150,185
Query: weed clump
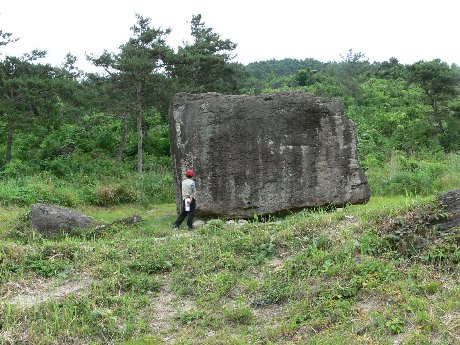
416,235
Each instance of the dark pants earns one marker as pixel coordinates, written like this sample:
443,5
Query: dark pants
185,213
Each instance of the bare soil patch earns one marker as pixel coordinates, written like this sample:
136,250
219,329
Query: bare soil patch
164,309
39,291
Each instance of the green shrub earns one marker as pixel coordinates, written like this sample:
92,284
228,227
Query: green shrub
370,243
214,225
16,168
113,194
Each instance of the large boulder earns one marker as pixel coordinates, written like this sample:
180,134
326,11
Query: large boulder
265,154
50,220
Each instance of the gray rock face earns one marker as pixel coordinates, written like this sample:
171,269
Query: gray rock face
265,154
450,202
51,220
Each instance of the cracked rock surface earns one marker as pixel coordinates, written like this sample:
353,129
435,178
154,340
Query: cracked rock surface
265,154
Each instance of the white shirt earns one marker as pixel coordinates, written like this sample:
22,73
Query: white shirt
188,188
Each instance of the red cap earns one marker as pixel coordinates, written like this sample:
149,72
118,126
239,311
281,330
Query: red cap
189,173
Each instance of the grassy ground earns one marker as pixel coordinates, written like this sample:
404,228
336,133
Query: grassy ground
339,277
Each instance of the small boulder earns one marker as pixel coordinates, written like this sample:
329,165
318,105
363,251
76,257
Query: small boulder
50,220
198,224
135,218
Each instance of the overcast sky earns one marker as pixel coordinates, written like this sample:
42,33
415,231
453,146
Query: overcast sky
410,30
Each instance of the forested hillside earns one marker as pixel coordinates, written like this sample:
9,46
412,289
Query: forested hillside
107,131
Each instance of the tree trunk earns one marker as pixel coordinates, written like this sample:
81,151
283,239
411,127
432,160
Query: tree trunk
124,139
139,129
9,140
438,117
139,143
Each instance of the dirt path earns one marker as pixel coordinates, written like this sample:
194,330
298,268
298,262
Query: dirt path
164,310
44,291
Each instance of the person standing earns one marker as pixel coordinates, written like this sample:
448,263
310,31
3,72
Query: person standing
188,201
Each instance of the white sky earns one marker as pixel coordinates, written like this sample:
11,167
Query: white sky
410,30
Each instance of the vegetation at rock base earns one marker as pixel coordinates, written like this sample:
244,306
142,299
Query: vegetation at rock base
98,142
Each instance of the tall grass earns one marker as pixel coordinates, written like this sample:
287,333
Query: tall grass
45,188
94,184
409,176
